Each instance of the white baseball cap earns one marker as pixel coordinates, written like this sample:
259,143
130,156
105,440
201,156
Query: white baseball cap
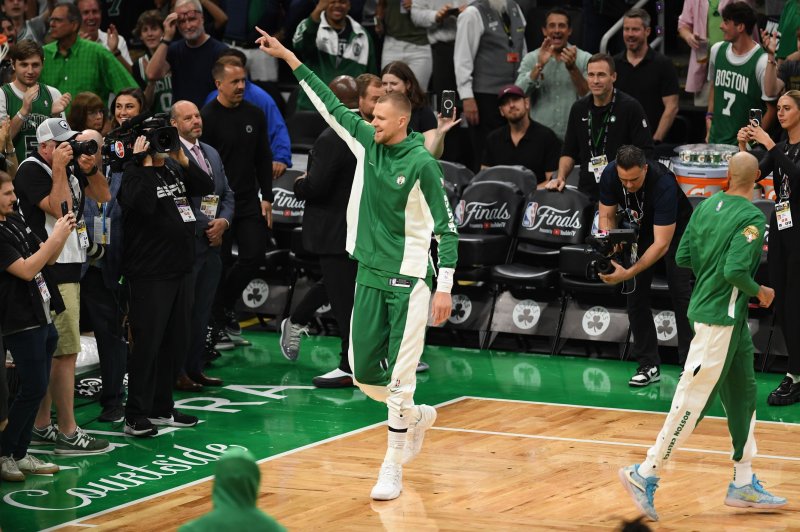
54,129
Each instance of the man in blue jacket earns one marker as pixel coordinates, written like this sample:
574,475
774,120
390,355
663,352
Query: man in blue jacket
276,126
214,214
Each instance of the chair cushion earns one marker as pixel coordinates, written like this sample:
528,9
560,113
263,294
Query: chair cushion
525,275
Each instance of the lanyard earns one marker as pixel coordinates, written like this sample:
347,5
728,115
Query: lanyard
18,236
639,205
791,151
595,146
507,28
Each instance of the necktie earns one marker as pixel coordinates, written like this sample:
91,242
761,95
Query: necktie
201,160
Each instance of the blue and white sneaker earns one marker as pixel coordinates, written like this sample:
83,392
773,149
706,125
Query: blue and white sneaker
642,490
752,496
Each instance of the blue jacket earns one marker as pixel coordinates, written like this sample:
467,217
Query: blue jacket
278,133
221,189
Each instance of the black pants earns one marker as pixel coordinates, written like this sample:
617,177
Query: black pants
251,236
160,324
338,287
645,341
33,352
104,309
443,77
784,263
205,276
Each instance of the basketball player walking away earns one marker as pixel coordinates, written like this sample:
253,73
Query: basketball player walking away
397,200
722,245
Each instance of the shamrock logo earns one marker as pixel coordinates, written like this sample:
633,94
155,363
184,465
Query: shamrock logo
665,325
526,314
462,308
596,320
256,293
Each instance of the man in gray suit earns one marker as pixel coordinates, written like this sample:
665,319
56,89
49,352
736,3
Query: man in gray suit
214,214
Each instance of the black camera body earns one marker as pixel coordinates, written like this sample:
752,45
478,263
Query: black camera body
83,147
614,244
118,145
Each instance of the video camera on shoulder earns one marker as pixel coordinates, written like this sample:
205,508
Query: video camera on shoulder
118,145
613,244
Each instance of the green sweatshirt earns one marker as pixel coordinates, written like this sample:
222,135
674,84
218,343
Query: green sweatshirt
722,245
397,199
234,495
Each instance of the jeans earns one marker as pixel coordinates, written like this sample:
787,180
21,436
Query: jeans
33,352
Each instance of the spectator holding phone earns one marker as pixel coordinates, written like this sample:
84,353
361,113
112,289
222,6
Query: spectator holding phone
28,331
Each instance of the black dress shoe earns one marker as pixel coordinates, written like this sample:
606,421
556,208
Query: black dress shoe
205,380
185,384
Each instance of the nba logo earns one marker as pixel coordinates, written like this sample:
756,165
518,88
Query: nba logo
530,215
459,214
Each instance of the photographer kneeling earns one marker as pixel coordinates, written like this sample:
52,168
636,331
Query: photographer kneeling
158,255
646,194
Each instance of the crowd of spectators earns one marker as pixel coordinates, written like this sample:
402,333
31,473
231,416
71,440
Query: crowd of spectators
79,71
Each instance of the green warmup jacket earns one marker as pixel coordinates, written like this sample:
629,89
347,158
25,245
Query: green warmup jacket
234,495
722,245
397,199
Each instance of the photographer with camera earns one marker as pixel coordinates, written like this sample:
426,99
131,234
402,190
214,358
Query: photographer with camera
158,181
650,201
55,180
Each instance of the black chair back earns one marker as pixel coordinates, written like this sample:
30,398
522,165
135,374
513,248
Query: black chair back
556,219
286,208
457,174
524,179
489,207
304,128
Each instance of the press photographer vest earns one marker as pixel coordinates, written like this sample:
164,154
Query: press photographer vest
25,141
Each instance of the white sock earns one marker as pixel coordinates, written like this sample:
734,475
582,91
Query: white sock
398,428
742,474
647,470
795,378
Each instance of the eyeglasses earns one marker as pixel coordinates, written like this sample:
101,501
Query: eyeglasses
188,16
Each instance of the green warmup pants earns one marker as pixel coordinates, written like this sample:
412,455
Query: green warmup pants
720,361
390,325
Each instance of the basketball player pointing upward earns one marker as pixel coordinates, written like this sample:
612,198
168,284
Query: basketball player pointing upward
722,245
396,202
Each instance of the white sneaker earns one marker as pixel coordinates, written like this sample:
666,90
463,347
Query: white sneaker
416,432
31,464
9,471
390,482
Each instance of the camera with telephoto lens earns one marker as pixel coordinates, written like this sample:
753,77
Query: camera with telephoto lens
118,144
95,251
83,147
613,244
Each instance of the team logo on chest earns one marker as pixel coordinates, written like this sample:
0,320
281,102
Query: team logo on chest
400,180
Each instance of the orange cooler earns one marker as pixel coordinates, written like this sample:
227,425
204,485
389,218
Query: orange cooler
699,180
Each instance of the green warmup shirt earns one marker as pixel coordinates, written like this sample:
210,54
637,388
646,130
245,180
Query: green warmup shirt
737,89
234,496
722,244
25,141
397,199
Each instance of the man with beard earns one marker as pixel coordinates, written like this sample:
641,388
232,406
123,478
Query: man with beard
490,42
189,60
27,101
238,131
554,75
647,75
522,141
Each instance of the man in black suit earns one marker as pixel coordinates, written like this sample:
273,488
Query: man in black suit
326,191
214,214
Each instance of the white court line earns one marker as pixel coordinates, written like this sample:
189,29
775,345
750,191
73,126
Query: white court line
603,408
603,442
77,522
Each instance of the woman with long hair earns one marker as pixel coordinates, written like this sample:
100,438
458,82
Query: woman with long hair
125,105
398,77
783,161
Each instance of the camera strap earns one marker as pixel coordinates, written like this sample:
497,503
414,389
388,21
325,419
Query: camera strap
596,147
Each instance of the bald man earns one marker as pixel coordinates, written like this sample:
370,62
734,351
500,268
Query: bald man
722,245
396,202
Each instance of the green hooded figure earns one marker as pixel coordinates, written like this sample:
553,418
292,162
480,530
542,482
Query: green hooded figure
234,495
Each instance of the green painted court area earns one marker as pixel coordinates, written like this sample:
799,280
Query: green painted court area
269,407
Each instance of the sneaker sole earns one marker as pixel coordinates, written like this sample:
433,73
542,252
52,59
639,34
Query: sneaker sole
141,433
224,347
643,384
389,497
623,478
781,401
160,423
9,478
82,451
41,443
738,503
43,472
